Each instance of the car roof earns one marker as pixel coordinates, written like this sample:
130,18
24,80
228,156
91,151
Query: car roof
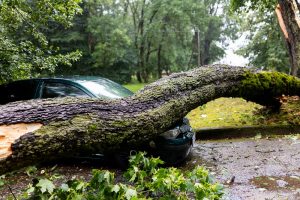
74,78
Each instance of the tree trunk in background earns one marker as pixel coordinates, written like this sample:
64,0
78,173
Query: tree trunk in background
159,67
196,50
41,130
289,10
206,58
138,77
142,46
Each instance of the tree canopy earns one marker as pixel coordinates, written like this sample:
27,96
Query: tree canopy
253,4
139,37
287,13
24,47
266,47
121,38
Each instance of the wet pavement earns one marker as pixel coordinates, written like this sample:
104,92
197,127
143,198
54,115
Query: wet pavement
257,168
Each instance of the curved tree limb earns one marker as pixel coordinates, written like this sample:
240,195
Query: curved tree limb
45,129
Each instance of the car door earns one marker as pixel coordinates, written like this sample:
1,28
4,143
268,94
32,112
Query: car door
56,88
18,91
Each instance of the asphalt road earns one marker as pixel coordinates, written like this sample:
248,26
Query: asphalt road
256,168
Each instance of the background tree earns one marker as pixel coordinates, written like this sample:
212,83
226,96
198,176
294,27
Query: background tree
76,37
166,34
266,47
117,38
212,27
112,53
289,21
24,48
144,37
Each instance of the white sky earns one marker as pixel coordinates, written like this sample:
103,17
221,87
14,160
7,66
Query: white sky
231,58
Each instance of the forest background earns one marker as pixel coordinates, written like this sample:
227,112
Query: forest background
127,40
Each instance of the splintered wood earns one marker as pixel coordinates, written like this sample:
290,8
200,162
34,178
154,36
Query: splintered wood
9,133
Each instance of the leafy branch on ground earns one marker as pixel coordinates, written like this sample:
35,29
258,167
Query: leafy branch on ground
145,179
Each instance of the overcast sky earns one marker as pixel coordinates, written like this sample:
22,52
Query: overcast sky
231,58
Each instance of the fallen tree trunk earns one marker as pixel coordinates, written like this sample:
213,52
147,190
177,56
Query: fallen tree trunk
39,130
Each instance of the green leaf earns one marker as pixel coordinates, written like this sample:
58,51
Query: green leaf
2,181
115,188
46,186
30,170
80,186
162,183
130,193
30,190
64,187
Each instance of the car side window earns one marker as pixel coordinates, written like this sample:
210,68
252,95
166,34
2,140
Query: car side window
18,91
55,89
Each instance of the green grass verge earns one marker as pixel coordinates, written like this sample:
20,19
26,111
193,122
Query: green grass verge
225,112
134,87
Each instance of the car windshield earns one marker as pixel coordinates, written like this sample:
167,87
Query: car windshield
104,88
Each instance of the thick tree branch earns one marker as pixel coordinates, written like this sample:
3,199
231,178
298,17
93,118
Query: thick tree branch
63,126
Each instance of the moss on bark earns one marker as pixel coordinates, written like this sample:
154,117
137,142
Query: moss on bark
264,87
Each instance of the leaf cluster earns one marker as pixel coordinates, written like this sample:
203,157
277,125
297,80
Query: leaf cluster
266,47
24,47
144,180
261,5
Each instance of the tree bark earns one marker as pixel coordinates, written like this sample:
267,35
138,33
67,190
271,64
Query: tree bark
39,130
159,61
288,15
141,61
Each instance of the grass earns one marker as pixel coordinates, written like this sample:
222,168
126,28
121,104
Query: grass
225,112
134,87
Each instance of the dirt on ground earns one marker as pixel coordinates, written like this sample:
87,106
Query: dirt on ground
254,168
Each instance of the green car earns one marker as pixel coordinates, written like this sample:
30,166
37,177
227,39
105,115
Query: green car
172,146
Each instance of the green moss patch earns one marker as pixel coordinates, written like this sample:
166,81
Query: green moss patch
268,83
225,112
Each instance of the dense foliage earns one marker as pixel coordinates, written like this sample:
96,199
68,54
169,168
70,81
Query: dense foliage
121,38
24,48
287,15
144,179
261,5
266,47
145,38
